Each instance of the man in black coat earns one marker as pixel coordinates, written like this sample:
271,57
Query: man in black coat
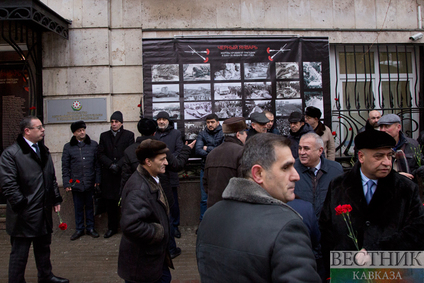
170,180
80,174
143,252
111,156
387,213
28,181
298,128
259,124
252,235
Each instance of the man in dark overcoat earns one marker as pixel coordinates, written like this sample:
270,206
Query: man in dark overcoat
28,181
111,156
387,213
143,252
223,162
80,174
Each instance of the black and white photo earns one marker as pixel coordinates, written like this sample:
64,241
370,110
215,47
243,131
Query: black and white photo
257,90
192,129
228,71
287,70
163,93
197,110
288,89
173,109
287,106
197,72
197,92
227,91
255,71
165,73
228,109
252,106
312,75
315,98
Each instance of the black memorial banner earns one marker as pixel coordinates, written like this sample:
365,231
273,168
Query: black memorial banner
191,78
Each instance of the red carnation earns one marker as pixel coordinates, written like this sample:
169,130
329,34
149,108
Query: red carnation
32,108
350,129
77,181
139,105
63,226
338,117
334,133
70,180
336,99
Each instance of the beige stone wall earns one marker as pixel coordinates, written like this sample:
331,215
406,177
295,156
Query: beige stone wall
103,56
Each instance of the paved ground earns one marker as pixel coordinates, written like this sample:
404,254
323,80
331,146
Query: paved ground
89,260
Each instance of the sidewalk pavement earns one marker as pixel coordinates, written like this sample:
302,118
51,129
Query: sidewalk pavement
88,260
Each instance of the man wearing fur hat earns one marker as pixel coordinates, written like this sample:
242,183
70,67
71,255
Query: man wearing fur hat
223,162
143,252
111,156
80,174
387,213
252,235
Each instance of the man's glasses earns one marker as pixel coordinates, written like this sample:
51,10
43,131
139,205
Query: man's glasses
38,127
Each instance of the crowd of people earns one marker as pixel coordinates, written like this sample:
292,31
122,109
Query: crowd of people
267,208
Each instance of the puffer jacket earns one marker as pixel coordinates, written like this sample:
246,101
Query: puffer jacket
209,138
30,187
79,162
250,236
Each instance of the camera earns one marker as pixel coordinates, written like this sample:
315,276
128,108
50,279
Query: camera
416,36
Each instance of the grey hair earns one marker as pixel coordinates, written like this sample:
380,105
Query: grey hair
260,150
318,140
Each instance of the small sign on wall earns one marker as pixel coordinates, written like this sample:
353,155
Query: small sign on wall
71,110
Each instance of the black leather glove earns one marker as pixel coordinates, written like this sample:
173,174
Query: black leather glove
114,168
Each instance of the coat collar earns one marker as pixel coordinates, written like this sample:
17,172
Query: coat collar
74,140
155,188
233,140
324,165
44,151
244,190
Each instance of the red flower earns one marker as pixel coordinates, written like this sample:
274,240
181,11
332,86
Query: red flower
139,105
70,180
77,181
341,209
63,226
350,129
32,108
336,99
338,117
334,133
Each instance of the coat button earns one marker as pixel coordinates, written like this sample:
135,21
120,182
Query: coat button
367,223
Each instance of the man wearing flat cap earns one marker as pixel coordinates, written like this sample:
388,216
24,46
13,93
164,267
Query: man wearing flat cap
387,213
143,252
80,174
406,149
111,156
312,116
259,122
223,162
297,129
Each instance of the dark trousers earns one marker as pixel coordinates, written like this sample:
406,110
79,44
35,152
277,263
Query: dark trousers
166,276
175,209
112,210
83,201
19,257
203,196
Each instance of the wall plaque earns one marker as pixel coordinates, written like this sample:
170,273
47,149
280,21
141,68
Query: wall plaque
71,110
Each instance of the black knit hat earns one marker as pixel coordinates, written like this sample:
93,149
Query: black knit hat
163,114
373,139
150,148
296,117
117,115
313,112
147,126
78,125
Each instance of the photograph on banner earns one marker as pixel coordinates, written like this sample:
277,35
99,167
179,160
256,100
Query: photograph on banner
228,109
165,73
288,89
227,91
227,71
257,90
173,109
255,71
192,128
314,98
285,107
312,74
197,72
197,92
252,106
166,92
197,110
286,70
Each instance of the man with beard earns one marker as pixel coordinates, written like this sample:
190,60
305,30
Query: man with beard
206,141
79,163
297,129
143,253
111,156
387,213
169,180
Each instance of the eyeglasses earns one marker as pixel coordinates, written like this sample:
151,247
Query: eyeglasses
38,127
